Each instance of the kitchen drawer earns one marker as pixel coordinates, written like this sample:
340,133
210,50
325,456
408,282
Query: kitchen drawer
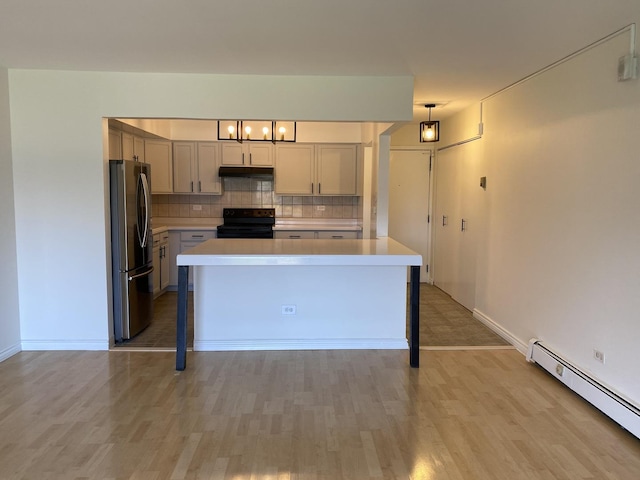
337,235
295,234
196,235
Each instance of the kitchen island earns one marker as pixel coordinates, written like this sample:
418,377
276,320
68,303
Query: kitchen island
281,294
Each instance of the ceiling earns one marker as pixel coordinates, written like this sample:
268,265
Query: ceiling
458,51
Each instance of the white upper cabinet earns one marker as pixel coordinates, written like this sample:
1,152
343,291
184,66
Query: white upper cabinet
127,146
195,167
115,145
295,169
158,153
184,167
208,166
138,149
131,146
247,154
336,169
306,169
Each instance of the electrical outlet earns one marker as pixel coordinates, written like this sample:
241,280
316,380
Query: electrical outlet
288,309
196,207
560,369
598,355
320,208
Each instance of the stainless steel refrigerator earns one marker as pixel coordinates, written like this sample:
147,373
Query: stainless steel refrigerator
131,247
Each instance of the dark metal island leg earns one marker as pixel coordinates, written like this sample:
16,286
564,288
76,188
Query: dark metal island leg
414,317
181,331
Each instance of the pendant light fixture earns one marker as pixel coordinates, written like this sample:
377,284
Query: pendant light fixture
256,131
430,130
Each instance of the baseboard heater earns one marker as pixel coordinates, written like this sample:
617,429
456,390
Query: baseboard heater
611,404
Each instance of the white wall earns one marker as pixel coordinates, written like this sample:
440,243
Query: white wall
9,313
408,136
559,255
60,175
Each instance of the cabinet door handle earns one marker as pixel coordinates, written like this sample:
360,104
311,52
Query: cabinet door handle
197,236
192,186
337,236
445,221
319,189
199,186
243,158
250,159
463,225
311,188
294,236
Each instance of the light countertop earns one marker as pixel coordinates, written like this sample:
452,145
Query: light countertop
173,228
286,224
253,252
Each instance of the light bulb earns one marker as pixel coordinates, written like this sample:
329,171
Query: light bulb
231,130
429,133
247,130
265,130
282,131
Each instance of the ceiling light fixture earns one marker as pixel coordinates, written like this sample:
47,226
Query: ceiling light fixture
241,130
430,130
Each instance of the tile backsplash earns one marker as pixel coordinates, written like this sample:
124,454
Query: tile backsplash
245,192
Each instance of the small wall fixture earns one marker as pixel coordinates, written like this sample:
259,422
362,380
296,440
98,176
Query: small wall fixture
430,130
257,131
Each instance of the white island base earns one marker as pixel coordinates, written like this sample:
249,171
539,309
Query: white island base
298,294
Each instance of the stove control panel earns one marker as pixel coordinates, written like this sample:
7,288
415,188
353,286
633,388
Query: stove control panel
249,213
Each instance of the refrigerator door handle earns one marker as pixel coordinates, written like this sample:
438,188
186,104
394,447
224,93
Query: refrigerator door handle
145,191
143,274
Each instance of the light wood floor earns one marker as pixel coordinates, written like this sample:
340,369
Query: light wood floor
474,414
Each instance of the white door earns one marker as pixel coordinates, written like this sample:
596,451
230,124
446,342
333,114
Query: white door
457,222
446,219
409,179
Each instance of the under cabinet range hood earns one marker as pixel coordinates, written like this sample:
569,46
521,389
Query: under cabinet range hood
246,172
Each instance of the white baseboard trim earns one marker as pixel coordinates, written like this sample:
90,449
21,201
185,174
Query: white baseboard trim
33,345
507,335
302,344
9,352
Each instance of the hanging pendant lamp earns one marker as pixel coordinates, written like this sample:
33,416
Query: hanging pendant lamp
430,130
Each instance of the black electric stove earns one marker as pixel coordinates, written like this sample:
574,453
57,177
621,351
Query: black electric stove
247,223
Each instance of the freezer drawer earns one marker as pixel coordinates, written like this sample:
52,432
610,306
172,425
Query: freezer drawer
133,311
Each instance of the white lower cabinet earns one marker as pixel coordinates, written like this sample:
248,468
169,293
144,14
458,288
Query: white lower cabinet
156,265
322,234
337,235
160,262
180,241
295,234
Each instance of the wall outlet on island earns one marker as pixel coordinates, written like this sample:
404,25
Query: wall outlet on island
320,208
196,207
288,309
